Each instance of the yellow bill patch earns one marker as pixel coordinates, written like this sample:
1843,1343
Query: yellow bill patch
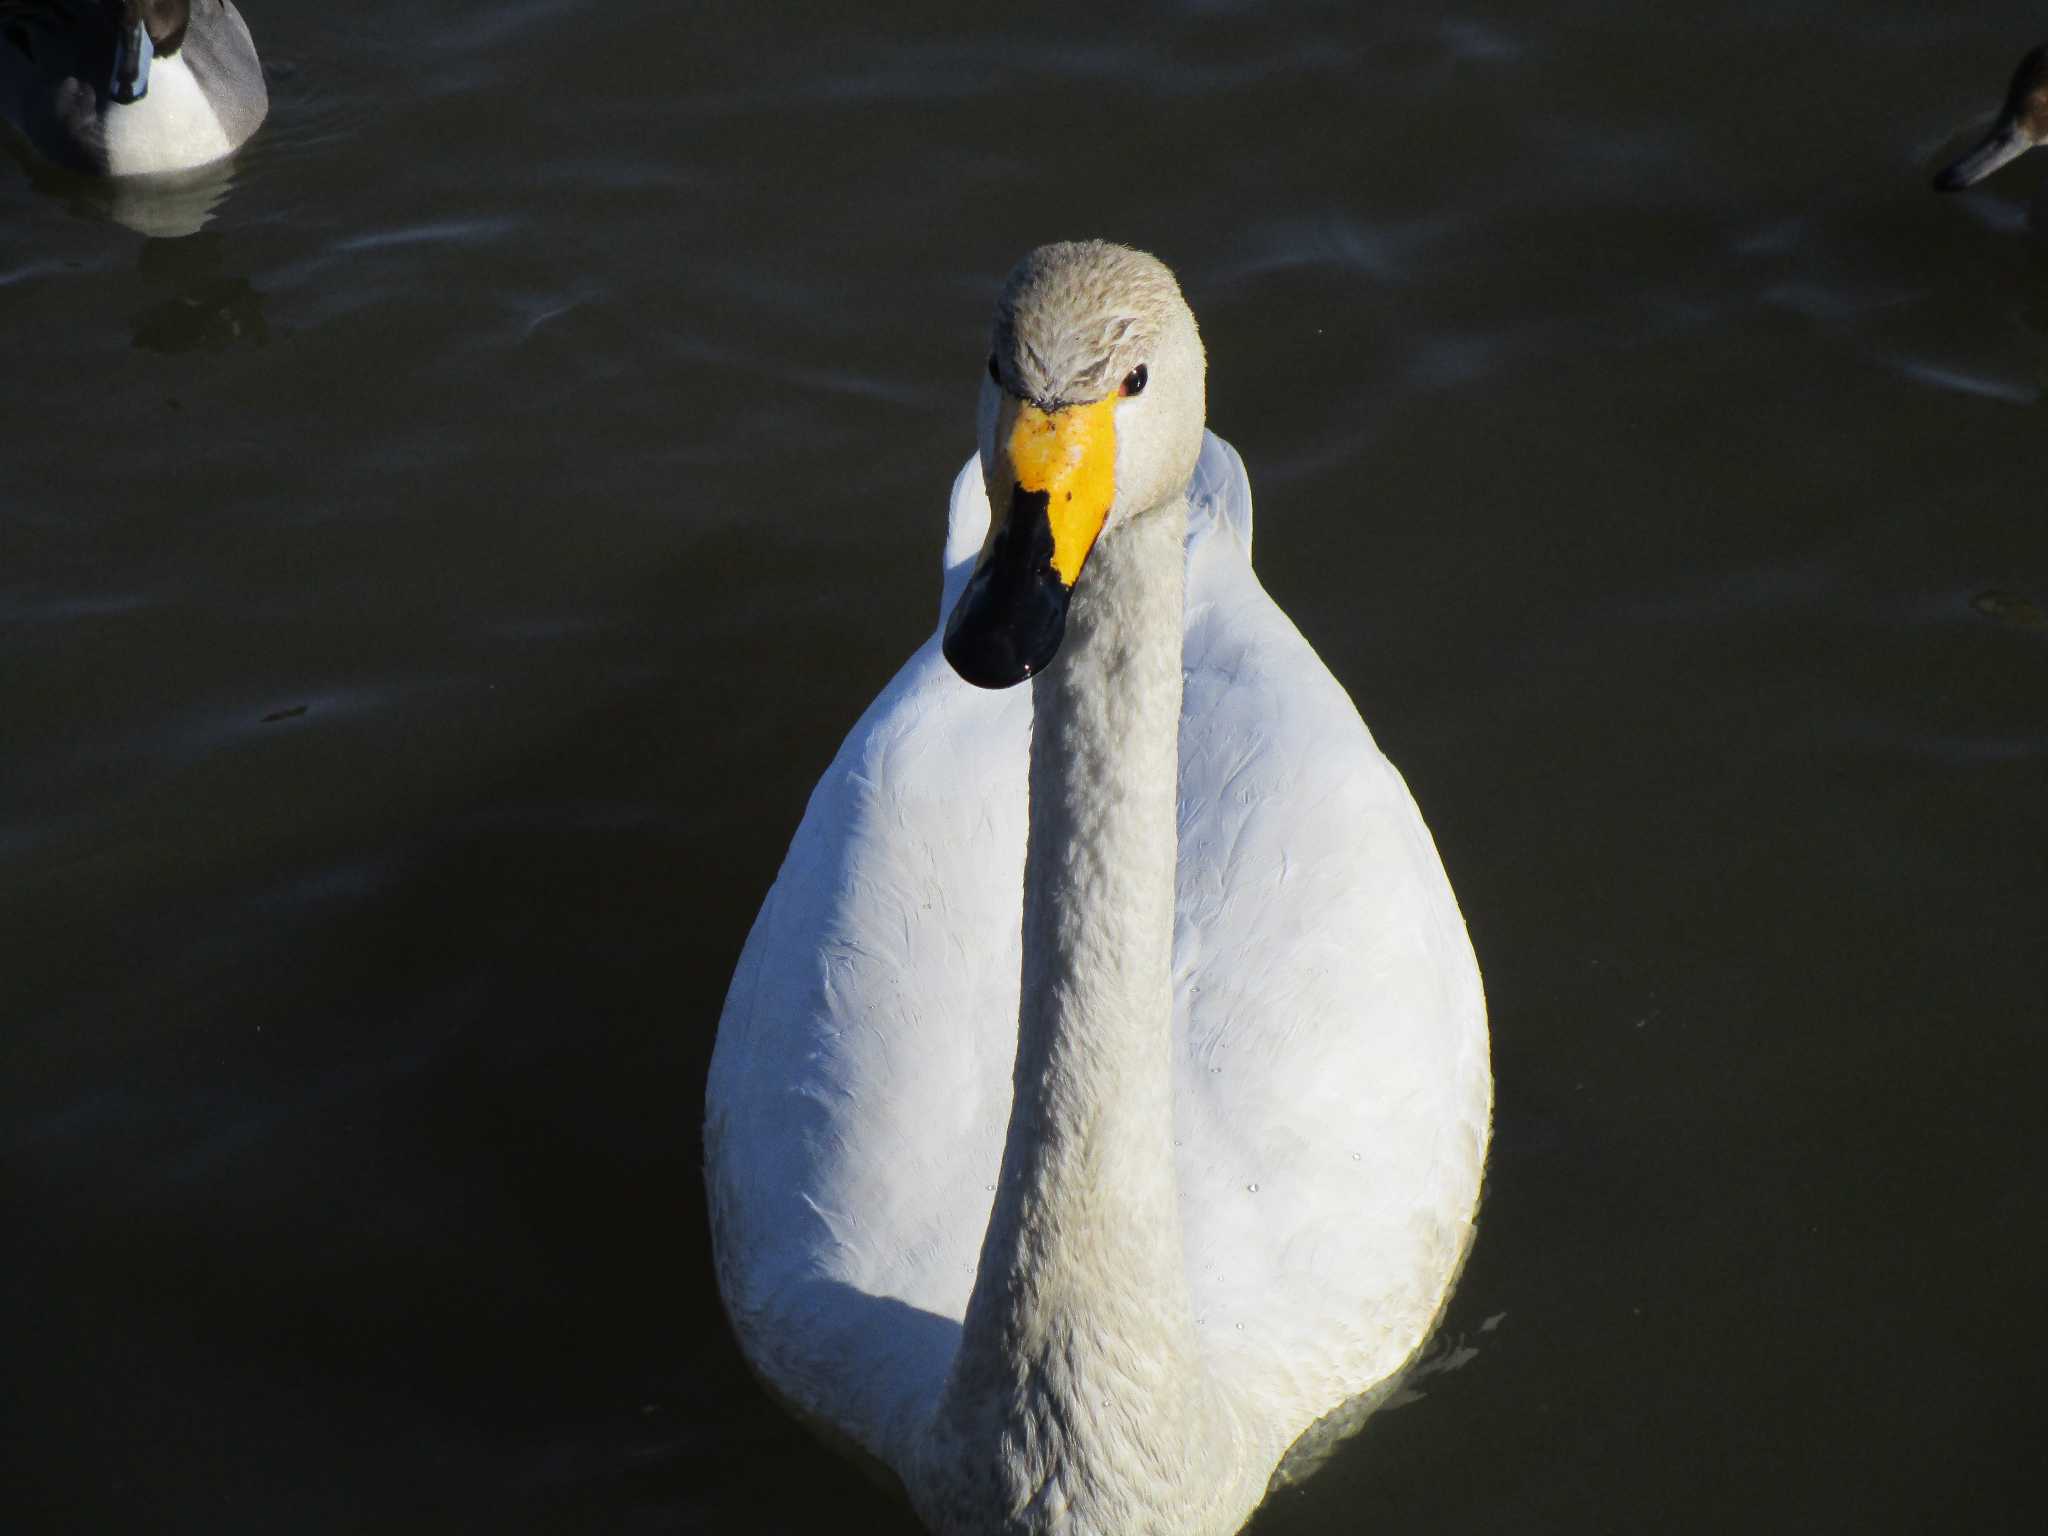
1070,455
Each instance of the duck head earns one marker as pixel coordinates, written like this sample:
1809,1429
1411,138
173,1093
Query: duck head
144,30
2021,125
1091,415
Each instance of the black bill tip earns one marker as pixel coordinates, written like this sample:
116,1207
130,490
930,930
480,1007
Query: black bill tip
1009,622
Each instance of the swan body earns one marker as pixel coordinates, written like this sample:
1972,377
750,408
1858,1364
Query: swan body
1102,1096
130,87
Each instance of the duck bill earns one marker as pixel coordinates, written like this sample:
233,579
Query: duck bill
1050,491
2005,145
132,53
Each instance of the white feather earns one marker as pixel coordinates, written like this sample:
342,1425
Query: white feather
1331,1093
174,128
203,101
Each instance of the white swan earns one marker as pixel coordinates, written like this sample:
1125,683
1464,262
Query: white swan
1076,1184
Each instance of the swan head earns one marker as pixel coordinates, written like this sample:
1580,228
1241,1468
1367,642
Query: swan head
1091,416
147,30
2021,125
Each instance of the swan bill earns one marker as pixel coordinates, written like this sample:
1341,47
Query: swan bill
1059,470
2005,145
1010,620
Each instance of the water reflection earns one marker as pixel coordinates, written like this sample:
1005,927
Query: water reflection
2012,609
205,308
165,207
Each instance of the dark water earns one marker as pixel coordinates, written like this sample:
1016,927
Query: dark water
428,593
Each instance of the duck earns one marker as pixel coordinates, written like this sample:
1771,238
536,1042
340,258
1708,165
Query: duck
130,87
1098,1111
2021,124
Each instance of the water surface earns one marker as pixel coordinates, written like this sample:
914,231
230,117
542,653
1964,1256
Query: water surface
429,591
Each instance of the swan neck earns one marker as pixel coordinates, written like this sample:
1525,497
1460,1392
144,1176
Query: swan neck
1095,1016
1090,1144
1078,1368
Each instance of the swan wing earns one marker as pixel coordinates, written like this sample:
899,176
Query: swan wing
1334,1092
860,1086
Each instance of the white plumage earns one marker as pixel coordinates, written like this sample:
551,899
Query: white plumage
1326,1077
175,128
205,93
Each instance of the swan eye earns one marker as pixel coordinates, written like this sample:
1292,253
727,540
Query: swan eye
992,373
1134,381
